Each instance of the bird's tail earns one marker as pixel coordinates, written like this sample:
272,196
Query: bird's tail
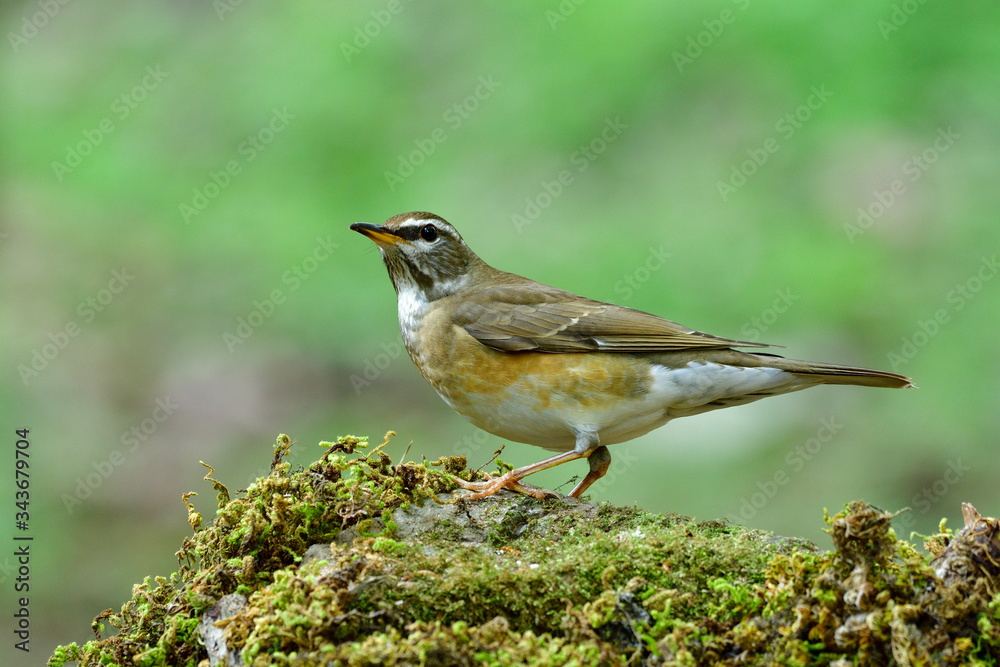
837,374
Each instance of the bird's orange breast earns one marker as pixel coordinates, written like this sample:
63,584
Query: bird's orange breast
526,396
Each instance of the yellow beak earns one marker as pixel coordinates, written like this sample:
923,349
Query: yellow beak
377,233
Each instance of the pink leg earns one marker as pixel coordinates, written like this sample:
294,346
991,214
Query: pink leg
599,458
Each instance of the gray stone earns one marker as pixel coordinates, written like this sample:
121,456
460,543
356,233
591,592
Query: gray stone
218,652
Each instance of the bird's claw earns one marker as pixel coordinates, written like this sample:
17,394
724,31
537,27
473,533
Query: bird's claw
494,484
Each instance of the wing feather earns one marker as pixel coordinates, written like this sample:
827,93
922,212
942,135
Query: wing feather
513,317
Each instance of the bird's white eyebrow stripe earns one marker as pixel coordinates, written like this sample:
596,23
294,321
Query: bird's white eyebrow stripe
413,225
409,229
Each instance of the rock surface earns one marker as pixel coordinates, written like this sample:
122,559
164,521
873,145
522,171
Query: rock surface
356,560
213,636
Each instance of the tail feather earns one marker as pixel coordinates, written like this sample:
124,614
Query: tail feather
837,374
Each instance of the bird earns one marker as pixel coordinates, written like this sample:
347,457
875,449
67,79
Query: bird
543,366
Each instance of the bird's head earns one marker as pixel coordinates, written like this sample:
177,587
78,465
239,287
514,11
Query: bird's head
423,252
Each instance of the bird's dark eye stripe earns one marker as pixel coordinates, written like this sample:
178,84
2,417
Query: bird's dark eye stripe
413,232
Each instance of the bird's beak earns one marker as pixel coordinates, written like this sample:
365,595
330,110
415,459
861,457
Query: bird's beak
377,233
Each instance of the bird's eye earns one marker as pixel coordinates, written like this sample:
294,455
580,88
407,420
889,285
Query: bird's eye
429,233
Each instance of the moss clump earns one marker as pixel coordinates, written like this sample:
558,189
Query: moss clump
876,600
251,541
400,570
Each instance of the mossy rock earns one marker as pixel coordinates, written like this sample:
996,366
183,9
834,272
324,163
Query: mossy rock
356,561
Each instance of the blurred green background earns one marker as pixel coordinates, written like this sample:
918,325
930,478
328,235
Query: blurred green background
821,176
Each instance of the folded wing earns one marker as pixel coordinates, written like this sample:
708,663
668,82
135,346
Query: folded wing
545,319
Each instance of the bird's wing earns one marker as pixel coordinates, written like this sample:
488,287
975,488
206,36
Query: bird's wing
545,319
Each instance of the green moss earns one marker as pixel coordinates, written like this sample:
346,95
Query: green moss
389,545
511,579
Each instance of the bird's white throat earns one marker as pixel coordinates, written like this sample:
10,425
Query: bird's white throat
412,306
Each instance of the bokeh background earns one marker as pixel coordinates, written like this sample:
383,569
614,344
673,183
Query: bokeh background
821,176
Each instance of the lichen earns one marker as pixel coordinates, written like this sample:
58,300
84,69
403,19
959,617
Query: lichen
401,570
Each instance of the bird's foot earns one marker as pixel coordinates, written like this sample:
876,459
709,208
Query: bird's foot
506,481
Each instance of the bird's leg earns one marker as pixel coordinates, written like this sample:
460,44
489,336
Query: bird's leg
491,482
586,445
511,480
600,461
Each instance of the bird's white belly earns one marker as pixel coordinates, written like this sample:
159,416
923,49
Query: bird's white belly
528,412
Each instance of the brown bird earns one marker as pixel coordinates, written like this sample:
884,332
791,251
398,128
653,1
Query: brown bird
540,365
